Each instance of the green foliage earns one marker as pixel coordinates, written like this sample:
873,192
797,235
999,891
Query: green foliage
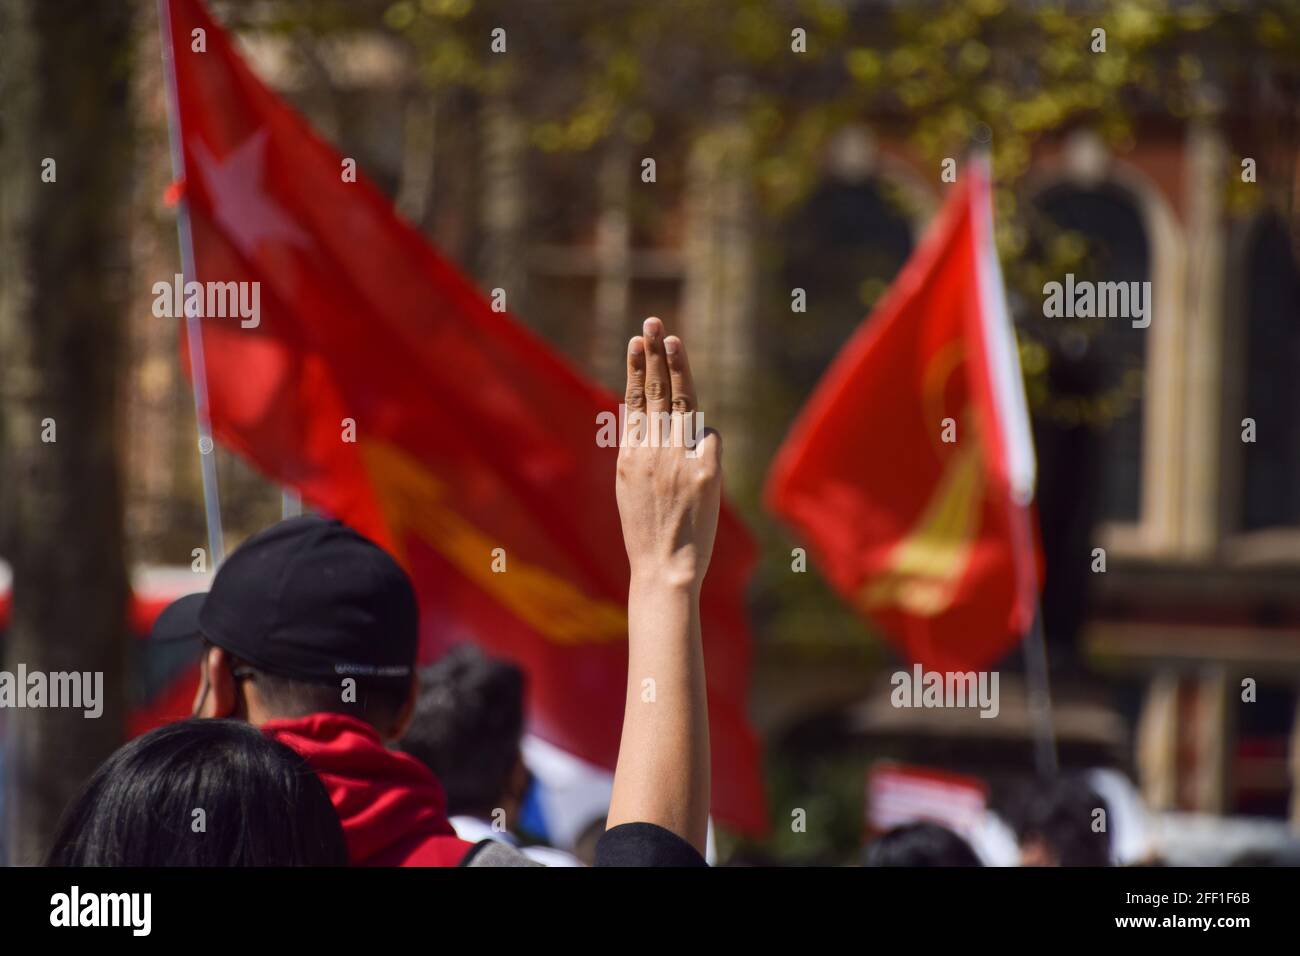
932,71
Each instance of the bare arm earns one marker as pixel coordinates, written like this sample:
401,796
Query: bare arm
668,501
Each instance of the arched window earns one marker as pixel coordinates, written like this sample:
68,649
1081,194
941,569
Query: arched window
843,248
1271,487
1097,364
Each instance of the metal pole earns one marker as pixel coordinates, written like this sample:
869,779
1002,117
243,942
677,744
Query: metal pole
1040,698
193,330
1037,685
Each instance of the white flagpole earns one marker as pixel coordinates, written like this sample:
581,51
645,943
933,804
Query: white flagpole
1022,465
193,329
1000,346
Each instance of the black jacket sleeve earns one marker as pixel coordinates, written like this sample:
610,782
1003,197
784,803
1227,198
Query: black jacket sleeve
644,844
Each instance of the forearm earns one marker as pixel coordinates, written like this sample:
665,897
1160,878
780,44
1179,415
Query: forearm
662,775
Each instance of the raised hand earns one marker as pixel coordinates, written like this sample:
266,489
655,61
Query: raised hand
669,483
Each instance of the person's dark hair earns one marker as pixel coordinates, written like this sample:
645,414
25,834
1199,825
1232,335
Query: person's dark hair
379,701
1061,814
261,804
919,844
469,718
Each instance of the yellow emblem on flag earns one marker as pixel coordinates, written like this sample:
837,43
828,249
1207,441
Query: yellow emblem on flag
414,501
926,566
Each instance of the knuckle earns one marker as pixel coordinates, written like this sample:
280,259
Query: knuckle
635,396
681,402
655,391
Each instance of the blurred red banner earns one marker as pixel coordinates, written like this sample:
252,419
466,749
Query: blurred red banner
378,381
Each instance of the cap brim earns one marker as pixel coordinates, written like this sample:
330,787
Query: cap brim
179,621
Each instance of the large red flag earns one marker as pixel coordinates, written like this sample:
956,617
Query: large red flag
379,382
911,468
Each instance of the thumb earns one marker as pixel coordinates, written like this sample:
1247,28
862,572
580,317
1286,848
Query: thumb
709,448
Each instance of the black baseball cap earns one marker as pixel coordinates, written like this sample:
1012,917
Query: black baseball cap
309,599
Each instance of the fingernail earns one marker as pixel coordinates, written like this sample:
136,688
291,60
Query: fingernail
651,328
670,346
637,345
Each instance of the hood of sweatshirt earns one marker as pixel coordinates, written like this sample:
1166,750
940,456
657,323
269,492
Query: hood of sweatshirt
392,807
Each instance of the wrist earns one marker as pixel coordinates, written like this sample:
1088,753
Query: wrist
664,580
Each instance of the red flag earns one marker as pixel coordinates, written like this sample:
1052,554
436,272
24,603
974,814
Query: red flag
910,470
379,382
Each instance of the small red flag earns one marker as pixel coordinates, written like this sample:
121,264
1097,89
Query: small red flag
379,382
910,470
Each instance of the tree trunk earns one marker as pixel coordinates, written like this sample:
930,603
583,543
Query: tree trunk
63,284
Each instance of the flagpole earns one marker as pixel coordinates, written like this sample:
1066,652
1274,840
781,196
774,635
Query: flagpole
1034,647
1022,464
193,330
1040,698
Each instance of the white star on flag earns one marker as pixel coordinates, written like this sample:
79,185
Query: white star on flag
242,208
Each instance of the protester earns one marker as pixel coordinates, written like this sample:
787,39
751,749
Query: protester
468,729
1063,822
919,844
310,633
201,793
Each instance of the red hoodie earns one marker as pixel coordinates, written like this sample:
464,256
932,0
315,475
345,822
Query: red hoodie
391,806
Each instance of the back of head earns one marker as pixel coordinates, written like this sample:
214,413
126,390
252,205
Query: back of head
380,703
1058,822
920,844
469,718
322,618
201,793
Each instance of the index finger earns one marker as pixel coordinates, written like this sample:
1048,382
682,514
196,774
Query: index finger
634,392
